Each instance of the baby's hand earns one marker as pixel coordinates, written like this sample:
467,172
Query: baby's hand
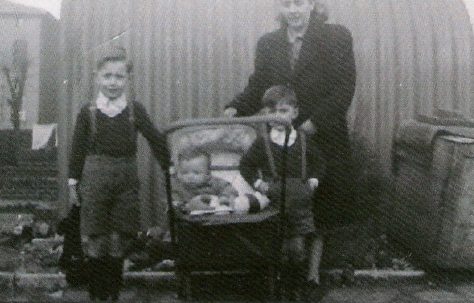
197,203
204,198
241,204
313,183
224,201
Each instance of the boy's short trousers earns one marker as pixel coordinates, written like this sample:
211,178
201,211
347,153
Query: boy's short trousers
297,247
299,206
109,196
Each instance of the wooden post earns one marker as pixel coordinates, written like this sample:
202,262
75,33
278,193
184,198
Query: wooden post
65,118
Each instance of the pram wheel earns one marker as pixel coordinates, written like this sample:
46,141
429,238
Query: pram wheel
271,281
184,285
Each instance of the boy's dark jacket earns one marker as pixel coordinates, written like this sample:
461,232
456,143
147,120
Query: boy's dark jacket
298,193
256,159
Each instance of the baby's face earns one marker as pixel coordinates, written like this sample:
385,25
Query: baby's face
194,172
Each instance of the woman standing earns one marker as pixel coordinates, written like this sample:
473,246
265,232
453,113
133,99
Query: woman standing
316,60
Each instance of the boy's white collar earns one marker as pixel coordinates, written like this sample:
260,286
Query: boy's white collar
278,136
293,35
109,107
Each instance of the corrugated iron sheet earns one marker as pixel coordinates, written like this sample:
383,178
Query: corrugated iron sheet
414,59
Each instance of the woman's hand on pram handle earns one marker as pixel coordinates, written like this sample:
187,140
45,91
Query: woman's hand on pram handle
308,127
73,196
230,112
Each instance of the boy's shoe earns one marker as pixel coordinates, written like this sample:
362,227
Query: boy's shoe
297,295
97,274
348,275
115,278
314,292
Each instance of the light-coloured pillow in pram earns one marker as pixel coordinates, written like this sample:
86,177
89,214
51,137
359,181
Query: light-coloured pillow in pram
214,140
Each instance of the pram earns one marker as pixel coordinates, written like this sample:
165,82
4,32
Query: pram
232,242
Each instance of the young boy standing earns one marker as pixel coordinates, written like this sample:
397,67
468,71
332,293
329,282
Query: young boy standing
304,170
103,171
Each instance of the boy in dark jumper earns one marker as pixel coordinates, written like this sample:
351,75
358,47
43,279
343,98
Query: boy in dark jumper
304,170
103,171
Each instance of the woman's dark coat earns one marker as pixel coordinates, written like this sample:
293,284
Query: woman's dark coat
324,81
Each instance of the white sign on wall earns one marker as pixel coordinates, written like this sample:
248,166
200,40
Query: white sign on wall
470,8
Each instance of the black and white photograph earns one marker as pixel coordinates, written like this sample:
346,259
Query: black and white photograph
237,151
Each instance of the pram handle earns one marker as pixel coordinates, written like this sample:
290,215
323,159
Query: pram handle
225,121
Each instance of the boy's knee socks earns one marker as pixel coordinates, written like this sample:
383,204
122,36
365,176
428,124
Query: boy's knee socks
115,277
96,276
297,274
292,279
285,279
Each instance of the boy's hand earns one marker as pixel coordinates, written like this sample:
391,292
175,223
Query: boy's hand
262,186
73,196
156,233
313,183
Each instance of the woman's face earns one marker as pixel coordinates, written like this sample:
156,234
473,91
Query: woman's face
296,12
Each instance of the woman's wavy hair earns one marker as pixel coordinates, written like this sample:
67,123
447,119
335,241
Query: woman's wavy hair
318,15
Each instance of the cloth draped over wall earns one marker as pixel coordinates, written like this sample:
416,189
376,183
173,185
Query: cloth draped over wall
42,135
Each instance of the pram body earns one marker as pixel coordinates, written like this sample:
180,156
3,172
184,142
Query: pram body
224,243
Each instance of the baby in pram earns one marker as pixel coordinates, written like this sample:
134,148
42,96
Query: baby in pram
197,191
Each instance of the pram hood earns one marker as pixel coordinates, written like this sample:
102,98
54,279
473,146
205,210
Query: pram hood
217,136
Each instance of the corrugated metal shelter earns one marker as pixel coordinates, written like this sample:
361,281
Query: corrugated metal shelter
413,57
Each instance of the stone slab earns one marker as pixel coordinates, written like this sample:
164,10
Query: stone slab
358,295
440,296
467,290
